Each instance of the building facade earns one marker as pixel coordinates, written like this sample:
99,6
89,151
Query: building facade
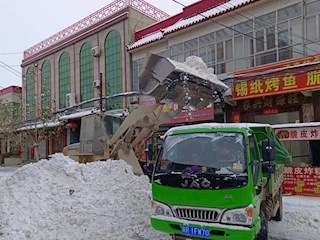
72,70
237,39
266,51
10,113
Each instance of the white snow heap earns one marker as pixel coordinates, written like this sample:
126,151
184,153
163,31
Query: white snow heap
62,199
196,66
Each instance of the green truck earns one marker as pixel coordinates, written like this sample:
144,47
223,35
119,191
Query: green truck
218,181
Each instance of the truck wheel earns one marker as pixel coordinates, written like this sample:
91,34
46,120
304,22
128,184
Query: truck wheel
263,234
279,214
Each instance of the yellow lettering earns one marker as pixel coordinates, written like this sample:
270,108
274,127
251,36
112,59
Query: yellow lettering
241,89
289,82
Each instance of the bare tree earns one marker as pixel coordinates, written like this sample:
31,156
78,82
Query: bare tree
18,134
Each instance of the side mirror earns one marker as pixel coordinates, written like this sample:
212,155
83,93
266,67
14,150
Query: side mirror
148,169
269,156
268,150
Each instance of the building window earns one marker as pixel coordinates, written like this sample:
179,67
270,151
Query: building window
312,26
45,88
30,93
207,49
289,32
176,52
64,79
113,69
86,75
265,35
261,40
137,66
191,48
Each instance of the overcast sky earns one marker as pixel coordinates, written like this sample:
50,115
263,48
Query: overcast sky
24,23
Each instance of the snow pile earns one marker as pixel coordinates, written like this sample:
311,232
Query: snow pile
196,66
301,219
62,199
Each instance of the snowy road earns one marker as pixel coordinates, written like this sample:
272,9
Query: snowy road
4,170
301,220
61,199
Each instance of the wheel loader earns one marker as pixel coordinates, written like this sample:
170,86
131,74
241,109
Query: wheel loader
183,86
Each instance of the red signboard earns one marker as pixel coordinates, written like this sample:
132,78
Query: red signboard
302,181
269,111
284,81
235,117
205,114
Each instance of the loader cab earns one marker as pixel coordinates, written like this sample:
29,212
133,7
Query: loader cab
112,123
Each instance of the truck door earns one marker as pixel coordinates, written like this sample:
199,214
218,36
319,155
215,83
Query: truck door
255,161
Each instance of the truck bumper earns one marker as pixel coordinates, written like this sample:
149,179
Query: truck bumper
217,231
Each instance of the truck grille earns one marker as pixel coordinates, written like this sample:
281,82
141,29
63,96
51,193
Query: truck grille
197,214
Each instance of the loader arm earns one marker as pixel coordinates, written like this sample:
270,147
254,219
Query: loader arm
167,82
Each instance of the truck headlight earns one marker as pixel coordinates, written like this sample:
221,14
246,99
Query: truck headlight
239,216
161,209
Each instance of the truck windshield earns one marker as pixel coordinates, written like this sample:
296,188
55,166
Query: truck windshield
215,156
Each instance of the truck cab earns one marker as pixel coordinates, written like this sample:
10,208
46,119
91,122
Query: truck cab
218,181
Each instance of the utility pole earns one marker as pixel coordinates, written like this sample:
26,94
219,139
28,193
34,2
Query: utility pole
100,93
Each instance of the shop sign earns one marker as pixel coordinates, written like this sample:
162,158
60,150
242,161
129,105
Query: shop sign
302,181
277,85
300,133
275,102
284,81
270,111
235,117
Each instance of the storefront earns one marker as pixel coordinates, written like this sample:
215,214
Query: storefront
287,92
302,140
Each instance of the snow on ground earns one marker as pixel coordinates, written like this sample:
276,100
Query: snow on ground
62,199
301,219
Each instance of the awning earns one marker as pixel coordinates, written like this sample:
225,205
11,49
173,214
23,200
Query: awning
79,114
49,124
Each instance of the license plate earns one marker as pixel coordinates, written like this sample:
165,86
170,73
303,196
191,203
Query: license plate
195,231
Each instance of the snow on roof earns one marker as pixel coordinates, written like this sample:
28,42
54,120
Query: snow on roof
183,23
31,126
80,114
218,125
196,66
297,125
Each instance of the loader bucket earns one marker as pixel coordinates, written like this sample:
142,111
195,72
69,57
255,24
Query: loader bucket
166,80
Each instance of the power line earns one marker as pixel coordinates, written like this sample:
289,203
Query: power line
11,69
279,28
245,34
11,53
12,66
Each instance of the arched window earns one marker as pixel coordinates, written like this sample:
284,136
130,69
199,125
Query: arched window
30,93
64,79
45,88
113,69
86,76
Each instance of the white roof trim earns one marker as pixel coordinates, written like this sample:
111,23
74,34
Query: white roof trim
188,21
40,125
218,125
